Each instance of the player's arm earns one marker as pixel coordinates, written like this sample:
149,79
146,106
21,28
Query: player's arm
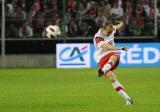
106,46
119,25
102,44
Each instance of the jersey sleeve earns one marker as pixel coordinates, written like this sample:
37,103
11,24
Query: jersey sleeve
99,41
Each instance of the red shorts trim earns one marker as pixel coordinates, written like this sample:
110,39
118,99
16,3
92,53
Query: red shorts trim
105,59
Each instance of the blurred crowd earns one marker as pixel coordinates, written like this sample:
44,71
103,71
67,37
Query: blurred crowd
79,18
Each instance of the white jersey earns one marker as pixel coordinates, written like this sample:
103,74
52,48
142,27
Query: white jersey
100,52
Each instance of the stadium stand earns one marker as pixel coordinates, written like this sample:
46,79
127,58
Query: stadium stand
25,19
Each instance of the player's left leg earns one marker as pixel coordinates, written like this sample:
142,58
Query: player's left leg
118,87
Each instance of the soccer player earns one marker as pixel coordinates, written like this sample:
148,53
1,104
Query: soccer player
108,58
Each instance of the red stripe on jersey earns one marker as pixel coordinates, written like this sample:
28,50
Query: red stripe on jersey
98,39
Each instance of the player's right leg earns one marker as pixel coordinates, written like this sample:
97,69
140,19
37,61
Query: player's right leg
108,63
111,63
118,87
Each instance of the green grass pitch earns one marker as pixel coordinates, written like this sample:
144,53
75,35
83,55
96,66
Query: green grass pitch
77,90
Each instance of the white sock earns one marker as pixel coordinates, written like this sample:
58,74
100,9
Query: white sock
117,84
120,89
123,94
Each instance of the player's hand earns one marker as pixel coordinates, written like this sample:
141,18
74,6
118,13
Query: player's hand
119,25
120,22
124,48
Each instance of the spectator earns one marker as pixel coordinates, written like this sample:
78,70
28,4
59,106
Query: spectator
134,28
129,9
104,9
72,6
101,10
22,4
39,26
146,7
81,10
11,8
100,19
82,26
151,11
117,10
30,16
37,5
84,2
68,17
139,10
25,31
128,12
20,14
47,13
140,20
55,16
12,31
107,9
92,10
149,28
72,30
158,10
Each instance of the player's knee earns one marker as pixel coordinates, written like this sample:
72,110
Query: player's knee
111,77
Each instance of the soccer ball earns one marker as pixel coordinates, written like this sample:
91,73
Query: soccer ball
52,31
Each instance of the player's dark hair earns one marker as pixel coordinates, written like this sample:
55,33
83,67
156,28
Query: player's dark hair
107,23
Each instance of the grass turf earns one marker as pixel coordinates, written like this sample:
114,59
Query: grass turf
77,90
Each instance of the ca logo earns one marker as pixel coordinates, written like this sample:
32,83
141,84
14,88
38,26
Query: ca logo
74,54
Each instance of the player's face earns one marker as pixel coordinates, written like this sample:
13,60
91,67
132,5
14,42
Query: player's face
109,29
